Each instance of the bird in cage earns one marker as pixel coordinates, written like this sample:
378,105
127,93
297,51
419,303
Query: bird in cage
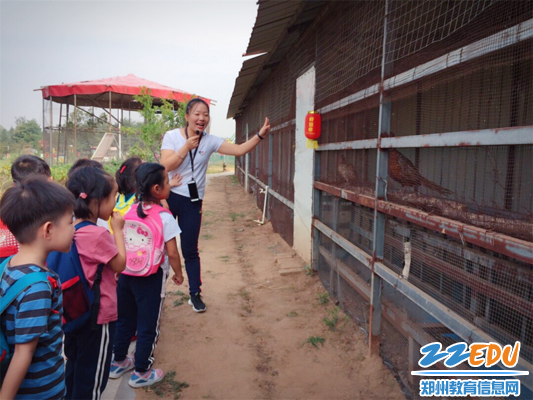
403,171
347,171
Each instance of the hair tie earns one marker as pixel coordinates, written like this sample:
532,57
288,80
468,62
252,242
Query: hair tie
83,195
122,169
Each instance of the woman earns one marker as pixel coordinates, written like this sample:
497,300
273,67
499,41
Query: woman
186,151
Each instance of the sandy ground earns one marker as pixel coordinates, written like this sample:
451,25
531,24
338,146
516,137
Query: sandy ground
252,343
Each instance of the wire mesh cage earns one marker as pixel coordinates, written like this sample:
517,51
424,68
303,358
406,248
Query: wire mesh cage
431,104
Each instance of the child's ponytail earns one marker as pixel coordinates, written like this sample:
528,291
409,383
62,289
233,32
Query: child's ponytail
125,175
87,184
147,176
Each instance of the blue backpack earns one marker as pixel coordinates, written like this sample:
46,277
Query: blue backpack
81,303
9,295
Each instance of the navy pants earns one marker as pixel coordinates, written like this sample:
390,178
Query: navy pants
190,220
88,355
139,310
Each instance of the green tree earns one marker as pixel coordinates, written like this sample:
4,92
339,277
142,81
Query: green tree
27,133
157,121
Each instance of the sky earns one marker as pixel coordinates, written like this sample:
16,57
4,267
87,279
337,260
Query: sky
193,45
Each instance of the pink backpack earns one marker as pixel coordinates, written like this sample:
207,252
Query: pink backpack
145,242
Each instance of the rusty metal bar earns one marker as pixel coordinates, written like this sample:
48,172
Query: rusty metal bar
483,137
283,125
498,41
278,196
462,327
505,297
507,245
453,321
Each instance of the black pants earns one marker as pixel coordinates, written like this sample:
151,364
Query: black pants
190,220
139,309
88,355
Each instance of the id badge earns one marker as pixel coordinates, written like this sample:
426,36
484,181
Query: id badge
193,190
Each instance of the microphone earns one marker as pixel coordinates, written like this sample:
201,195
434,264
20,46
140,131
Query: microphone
197,133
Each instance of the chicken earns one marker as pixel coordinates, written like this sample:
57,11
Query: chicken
347,171
403,171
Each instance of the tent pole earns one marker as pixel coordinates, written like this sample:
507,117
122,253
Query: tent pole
66,137
59,133
50,126
75,127
110,112
44,153
120,130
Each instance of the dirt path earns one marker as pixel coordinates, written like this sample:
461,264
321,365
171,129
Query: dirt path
252,341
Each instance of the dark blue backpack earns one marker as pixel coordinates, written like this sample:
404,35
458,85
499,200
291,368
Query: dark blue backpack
80,302
9,295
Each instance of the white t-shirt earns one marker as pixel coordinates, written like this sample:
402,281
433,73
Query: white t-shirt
209,144
171,229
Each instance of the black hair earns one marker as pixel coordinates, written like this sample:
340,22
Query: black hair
125,175
27,165
82,163
190,105
25,207
88,183
194,101
147,176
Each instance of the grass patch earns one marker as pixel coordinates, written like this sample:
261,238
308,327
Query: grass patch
177,293
183,299
323,298
234,180
244,294
224,258
235,215
207,237
168,385
308,270
239,247
332,322
292,314
315,340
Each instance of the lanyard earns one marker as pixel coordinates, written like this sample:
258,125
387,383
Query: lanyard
195,150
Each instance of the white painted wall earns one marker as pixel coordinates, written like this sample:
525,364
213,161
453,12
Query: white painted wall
303,169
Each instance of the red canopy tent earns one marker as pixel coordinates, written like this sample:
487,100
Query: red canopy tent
121,90
107,94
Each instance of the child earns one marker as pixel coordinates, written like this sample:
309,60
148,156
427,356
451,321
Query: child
140,298
125,177
82,163
88,351
22,168
39,214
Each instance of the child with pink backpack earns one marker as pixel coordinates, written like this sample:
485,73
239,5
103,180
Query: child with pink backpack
150,233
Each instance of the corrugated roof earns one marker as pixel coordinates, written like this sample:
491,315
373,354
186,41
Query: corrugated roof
271,35
273,19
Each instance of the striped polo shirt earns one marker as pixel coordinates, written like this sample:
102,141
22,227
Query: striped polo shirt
36,313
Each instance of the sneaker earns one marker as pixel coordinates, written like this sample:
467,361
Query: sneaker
196,302
119,368
148,378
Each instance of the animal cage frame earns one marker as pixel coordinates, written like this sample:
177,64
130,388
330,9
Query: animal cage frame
443,252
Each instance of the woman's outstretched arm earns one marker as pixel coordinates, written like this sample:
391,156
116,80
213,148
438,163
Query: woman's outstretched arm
243,148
